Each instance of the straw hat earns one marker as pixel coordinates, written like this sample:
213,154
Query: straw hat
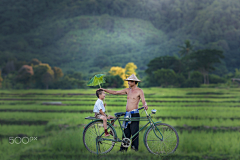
132,78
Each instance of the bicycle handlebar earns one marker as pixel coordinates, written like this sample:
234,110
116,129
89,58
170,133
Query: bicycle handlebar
140,108
144,110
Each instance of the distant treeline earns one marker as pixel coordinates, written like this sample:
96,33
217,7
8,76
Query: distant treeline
193,68
35,74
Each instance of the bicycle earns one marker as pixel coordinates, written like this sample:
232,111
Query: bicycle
159,138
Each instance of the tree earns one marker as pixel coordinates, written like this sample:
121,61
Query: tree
67,82
43,75
8,81
194,81
185,52
167,62
237,73
9,67
25,74
118,71
130,69
187,49
196,77
35,61
163,62
70,80
1,78
165,77
47,78
215,79
113,81
124,72
203,61
57,73
76,75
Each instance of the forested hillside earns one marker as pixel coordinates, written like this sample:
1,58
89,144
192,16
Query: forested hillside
93,35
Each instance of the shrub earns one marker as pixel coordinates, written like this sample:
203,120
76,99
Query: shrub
216,79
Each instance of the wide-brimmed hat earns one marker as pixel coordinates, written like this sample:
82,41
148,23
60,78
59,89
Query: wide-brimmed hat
132,78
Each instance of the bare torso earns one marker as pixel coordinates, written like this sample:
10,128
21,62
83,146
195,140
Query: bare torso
133,98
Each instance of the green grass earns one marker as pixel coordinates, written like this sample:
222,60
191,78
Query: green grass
208,143
22,129
69,142
181,112
207,121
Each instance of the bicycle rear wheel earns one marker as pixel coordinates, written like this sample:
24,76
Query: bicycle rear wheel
161,147
92,132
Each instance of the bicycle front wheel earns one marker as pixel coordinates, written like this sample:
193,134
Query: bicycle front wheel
167,145
93,131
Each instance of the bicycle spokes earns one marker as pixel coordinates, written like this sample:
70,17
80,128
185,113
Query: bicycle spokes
167,144
94,139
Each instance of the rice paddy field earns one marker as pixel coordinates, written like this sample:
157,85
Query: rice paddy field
206,119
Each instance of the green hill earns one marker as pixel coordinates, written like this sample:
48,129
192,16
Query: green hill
106,41
92,35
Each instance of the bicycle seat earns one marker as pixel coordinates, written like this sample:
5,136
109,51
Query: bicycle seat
119,114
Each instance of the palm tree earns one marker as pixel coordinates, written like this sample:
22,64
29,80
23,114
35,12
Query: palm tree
185,52
187,49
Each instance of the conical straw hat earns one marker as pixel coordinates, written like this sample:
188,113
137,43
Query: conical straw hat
132,78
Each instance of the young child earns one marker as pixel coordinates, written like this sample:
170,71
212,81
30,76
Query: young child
99,110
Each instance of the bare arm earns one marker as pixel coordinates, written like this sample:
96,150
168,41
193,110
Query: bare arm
102,113
143,100
124,91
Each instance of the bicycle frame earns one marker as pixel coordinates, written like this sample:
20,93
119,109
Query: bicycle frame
148,118
116,139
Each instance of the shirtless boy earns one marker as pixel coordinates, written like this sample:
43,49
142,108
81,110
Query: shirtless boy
134,94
